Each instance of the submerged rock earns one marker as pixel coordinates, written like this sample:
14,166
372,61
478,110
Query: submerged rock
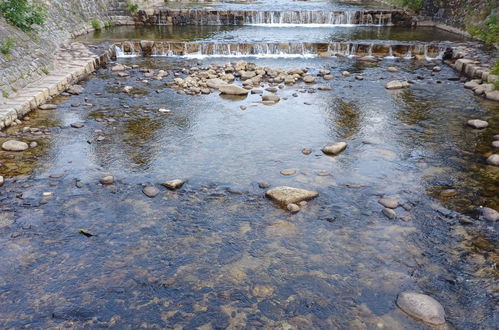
14,145
233,90
271,97
107,180
389,213
289,195
309,79
293,208
389,203
334,149
288,172
421,307
75,90
477,123
216,83
47,106
173,184
392,69
150,191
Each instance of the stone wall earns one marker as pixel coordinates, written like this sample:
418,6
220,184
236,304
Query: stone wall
33,53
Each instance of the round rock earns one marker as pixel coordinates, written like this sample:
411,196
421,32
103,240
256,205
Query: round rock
150,191
389,213
490,214
293,208
14,145
107,180
477,123
390,203
334,149
493,160
173,184
289,195
421,307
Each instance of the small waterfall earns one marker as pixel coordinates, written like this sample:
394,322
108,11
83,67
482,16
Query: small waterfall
275,49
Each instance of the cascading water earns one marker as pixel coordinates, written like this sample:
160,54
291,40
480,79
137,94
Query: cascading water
290,49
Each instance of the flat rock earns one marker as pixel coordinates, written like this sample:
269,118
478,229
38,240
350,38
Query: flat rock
389,213
493,160
334,149
472,84
271,97
306,151
47,106
392,69
14,145
492,95
118,67
421,307
216,83
390,203
397,84
173,184
150,191
288,172
77,125
289,195
490,214
477,123
309,79
233,90
75,90
107,180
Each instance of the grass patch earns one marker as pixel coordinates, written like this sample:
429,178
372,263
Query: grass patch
6,46
132,7
96,25
488,31
22,13
45,70
5,95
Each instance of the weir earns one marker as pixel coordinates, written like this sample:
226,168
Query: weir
279,49
273,18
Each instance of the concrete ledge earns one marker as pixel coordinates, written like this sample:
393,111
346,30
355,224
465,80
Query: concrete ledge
40,91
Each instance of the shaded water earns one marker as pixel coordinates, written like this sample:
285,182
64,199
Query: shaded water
263,34
217,253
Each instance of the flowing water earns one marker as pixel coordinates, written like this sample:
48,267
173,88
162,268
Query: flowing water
218,254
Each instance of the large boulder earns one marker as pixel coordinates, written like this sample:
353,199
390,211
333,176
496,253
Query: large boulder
13,145
493,95
289,195
216,83
421,307
233,90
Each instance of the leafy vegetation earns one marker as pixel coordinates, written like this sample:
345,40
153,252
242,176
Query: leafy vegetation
5,95
96,25
22,14
6,46
45,70
132,7
488,31
411,4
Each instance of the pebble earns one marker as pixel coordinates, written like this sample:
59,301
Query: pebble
495,144
345,74
293,208
173,184
33,144
493,160
150,191
490,214
389,203
477,123
14,145
263,185
289,195
47,194
77,125
306,151
163,110
422,307
359,77
243,107
1,180
107,180
389,213
288,172
47,106
392,69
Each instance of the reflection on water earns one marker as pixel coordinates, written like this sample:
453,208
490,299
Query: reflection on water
263,34
217,253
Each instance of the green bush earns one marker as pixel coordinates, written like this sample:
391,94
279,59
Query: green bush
132,7
22,14
96,24
5,95
488,31
6,45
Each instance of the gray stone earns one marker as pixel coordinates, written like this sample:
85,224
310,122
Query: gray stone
150,191
392,69
309,79
216,83
334,149
289,195
437,69
77,125
1,181
421,307
306,151
118,67
75,90
483,89
107,180
14,145
472,84
477,123
389,203
396,84
47,106
233,90
33,144
490,214
127,89
293,208
173,184
495,144
288,172
389,213
492,95
493,160
345,74
271,97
